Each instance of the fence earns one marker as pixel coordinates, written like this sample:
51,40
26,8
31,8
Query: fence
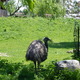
3,13
77,39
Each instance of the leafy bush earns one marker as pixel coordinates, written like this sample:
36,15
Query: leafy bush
9,71
48,7
18,71
68,75
26,73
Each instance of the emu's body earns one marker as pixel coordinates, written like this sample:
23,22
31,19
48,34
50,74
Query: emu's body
37,51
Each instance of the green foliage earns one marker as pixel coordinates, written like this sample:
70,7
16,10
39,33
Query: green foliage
25,11
19,71
9,71
2,5
10,6
27,73
52,7
28,3
67,74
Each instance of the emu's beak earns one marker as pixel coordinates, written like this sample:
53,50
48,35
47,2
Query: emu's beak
50,40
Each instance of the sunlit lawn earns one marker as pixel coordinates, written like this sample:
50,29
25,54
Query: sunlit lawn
20,32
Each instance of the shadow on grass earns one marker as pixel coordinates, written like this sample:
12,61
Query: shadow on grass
62,45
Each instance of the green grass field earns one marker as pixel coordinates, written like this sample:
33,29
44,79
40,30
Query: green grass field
17,33
15,36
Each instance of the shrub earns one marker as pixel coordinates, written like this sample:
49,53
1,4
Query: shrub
48,7
18,71
9,71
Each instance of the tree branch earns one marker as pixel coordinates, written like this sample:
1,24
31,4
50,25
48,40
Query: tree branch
11,14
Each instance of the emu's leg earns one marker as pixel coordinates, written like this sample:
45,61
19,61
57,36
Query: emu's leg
38,65
35,66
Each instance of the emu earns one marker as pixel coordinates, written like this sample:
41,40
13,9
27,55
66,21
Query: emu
38,51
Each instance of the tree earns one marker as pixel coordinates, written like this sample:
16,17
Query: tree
76,7
1,5
29,4
52,7
11,7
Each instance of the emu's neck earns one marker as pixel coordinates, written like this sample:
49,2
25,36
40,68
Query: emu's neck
46,44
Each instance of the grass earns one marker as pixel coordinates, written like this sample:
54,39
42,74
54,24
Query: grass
17,33
15,36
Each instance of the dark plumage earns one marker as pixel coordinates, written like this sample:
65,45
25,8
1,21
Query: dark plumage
37,51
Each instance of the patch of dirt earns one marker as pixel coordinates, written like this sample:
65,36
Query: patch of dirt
4,54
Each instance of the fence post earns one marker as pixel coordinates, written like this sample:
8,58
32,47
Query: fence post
77,40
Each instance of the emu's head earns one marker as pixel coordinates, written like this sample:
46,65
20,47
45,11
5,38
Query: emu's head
45,39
